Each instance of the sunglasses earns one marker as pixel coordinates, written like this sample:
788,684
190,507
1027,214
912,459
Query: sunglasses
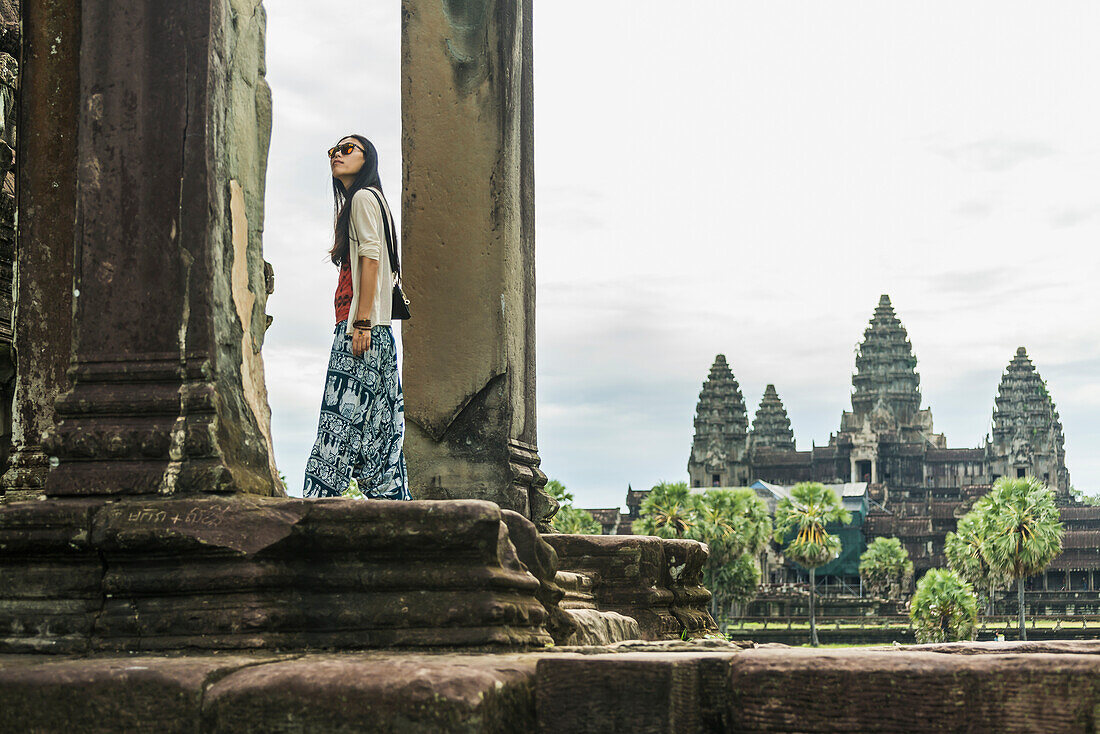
344,149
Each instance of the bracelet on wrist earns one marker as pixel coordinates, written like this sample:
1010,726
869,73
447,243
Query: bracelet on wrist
361,323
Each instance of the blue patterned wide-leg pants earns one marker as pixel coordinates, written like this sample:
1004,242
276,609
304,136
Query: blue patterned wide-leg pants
362,425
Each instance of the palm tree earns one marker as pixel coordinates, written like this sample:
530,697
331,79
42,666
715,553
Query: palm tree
966,554
1022,531
808,509
734,523
885,566
944,608
667,512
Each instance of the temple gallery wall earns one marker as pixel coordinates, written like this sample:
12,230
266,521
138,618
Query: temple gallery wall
153,576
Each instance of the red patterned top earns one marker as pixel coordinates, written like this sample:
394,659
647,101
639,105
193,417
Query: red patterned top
343,293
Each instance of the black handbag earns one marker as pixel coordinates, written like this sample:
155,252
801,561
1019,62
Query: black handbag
400,306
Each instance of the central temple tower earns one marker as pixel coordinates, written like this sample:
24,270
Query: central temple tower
886,384
886,399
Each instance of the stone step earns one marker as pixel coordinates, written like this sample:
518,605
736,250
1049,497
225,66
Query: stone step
578,590
593,627
21,495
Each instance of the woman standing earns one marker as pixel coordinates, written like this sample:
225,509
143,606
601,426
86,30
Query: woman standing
362,423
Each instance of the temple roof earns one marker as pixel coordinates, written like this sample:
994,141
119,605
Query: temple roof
772,427
886,376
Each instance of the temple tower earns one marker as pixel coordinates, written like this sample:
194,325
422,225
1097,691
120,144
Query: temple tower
1027,431
771,428
886,368
721,431
885,401
886,396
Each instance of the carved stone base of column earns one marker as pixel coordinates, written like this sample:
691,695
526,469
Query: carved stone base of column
25,477
244,572
471,463
528,478
147,427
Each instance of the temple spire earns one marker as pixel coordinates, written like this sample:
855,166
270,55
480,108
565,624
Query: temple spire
886,377
721,430
771,427
1027,430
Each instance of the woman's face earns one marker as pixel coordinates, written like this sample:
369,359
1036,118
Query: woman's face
347,164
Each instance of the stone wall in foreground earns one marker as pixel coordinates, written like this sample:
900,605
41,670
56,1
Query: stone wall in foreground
675,688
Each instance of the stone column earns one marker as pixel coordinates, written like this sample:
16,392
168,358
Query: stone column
47,225
167,396
10,29
469,267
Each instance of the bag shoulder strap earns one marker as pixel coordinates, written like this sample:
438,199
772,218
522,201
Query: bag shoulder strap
390,232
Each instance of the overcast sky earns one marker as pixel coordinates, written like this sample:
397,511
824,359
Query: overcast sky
742,178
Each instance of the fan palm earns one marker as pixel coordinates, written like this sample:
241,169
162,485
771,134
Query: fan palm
805,512
667,511
734,524
1022,531
965,550
944,608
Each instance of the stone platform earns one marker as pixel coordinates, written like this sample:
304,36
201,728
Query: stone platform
241,572
668,687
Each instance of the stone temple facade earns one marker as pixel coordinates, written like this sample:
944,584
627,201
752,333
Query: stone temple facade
917,487
886,439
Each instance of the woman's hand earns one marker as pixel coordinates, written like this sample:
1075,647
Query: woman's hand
360,341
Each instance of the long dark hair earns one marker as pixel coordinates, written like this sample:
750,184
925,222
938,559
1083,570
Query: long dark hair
368,176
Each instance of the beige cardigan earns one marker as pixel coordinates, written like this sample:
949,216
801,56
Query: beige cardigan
367,240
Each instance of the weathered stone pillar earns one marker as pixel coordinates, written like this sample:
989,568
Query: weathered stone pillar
468,221
9,93
167,392
47,224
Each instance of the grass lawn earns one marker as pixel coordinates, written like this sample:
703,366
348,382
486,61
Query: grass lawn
840,644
